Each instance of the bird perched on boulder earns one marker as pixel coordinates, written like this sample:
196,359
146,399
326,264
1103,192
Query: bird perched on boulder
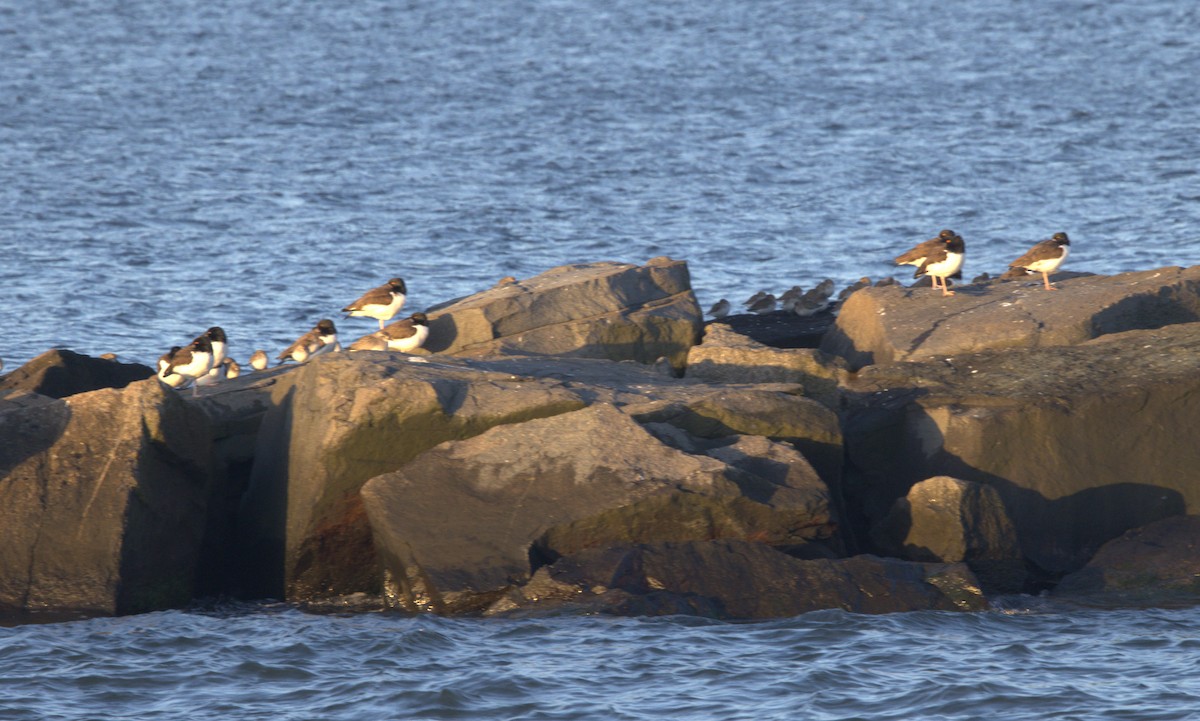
216,336
940,257
258,360
762,304
720,309
380,303
321,339
815,300
404,335
1045,257
180,366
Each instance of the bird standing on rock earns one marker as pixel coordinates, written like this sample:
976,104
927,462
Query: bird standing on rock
405,335
321,339
258,360
180,366
1045,257
720,309
940,257
380,303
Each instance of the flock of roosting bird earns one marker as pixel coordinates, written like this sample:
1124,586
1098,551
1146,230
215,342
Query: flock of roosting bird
205,361
940,258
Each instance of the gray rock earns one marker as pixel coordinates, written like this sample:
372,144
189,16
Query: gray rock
1082,443
462,524
1157,564
726,356
881,325
946,520
345,418
103,506
614,311
62,373
734,579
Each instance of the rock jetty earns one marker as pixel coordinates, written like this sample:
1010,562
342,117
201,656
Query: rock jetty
582,442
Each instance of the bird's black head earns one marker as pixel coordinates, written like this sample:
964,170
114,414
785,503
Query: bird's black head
202,344
420,319
215,334
398,286
946,234
325,327
955,243
1061,239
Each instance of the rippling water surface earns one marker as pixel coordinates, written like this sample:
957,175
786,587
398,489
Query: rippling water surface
256,165
282,664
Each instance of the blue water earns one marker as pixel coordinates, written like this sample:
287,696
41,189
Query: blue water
168,166
256,165
282,665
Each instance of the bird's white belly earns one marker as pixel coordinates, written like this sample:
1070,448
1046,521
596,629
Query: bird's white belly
1049,265
947,267
412,342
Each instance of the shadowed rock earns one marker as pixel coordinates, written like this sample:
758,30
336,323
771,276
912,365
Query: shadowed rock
104,502
62,373
1158,564
947,520
1082,443
737,580
881,325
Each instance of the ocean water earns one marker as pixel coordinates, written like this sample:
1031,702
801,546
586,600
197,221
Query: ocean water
280,664
172,165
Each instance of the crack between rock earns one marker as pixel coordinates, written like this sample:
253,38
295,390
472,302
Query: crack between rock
920,339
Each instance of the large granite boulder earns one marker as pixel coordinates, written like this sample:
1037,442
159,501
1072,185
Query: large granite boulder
946,520
1082,443
102,502
345,418
733,579
726,356
1156,564
893,323
615,311
62,373
465,522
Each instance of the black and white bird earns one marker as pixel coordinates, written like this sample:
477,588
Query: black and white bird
940,257
258,360
180,366
1045,257
228,369
381,303
321,339
216,336
404,335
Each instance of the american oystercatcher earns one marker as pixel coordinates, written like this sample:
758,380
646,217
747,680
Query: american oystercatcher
940,257
380,303
321,339
1045,257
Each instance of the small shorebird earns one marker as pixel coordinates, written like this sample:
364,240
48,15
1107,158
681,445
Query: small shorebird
1045,257
321,339
380,303
720,309
181,365
940,257
228,369
815,300
258,360
863,282
403,335
764,304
